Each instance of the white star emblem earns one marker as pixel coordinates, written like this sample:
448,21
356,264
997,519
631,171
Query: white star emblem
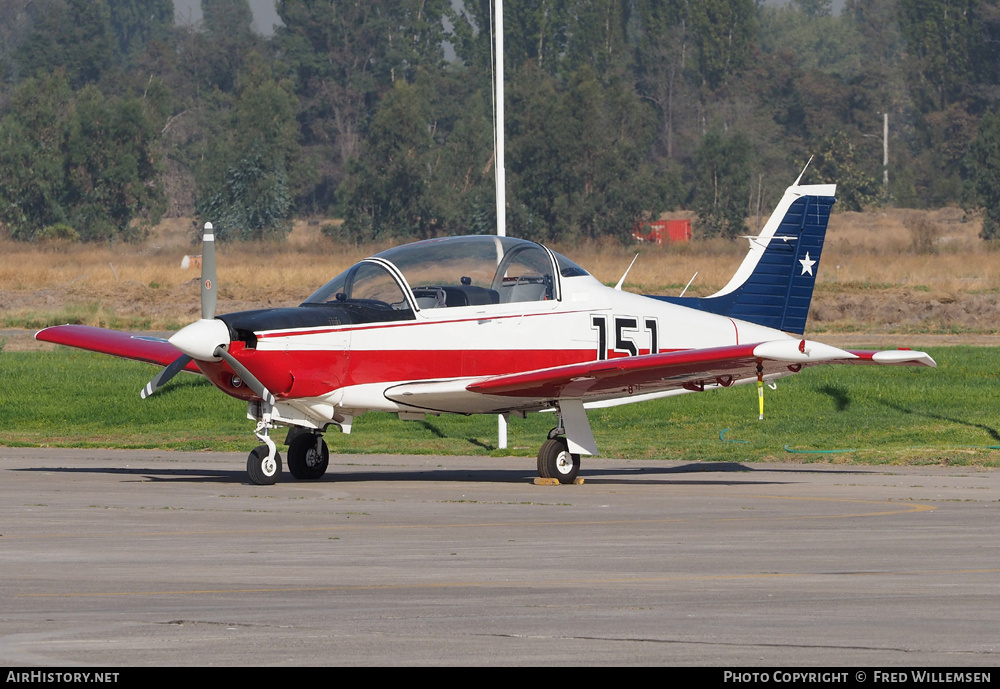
807,265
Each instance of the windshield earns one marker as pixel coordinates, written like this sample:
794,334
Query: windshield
365,283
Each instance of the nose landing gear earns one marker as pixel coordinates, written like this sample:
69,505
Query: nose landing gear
263,467
264,463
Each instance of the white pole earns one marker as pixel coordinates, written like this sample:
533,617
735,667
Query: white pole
885,154
500,172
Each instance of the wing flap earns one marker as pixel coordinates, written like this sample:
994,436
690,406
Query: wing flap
152,350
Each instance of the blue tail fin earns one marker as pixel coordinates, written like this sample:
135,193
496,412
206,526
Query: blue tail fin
774,285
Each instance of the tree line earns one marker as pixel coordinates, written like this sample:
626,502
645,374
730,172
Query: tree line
380,112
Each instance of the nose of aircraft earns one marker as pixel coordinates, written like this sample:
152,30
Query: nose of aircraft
201,339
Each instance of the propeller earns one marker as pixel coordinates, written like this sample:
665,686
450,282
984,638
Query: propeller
206,339
166,374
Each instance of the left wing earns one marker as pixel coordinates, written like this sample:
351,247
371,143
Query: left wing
690,369
636,378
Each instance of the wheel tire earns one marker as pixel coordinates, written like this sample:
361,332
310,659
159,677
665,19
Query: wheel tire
261,471
304,462
556,461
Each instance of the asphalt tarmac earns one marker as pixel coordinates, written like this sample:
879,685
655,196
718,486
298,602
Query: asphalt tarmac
132,558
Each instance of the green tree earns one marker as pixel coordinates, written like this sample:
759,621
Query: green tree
461,170
843,162
386,192
226,44
345,56
578,160
227,17
245,182
15,24
82,159
983,165
814,8
73,35
819,41
596,37
112,168
134,23
951,46
534,30
32,161
723,184
724,35
663,41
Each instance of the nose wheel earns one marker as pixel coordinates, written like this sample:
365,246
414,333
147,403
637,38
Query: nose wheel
556,461
262,468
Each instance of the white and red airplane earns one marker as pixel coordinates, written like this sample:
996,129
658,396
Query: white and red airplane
495,325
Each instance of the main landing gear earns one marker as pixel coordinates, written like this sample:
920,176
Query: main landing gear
556,461
308,456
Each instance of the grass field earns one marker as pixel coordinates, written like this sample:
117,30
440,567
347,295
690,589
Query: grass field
845,414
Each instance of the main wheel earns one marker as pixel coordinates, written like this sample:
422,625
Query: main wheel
304,462
556,461
263,471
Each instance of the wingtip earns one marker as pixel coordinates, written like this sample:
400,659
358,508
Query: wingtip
904,356
39,332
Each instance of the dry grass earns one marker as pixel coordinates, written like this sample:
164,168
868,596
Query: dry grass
887,271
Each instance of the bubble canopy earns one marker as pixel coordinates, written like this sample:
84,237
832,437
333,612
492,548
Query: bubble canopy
453,271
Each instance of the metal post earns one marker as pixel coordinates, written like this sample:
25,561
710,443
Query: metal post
500,171
885,153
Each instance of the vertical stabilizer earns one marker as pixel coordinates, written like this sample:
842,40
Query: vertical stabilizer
773,286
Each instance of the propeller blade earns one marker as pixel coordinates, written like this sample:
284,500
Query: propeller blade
209,296
248,378
199,338
166,374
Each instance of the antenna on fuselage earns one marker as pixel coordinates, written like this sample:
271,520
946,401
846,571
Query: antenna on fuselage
622,281
689,283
